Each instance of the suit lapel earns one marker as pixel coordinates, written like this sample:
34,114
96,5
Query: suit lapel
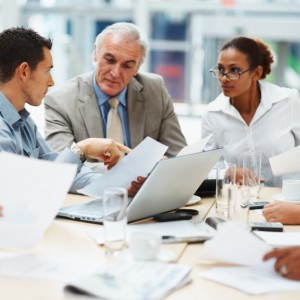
89,109
136,112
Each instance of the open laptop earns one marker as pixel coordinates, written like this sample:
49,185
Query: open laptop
169,186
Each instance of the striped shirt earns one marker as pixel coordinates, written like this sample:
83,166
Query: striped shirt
274,129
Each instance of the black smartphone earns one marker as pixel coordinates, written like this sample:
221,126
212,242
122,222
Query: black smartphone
173,216
214,222
255,205
266,226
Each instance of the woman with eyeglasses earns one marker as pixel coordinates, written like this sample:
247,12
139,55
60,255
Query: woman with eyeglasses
251,115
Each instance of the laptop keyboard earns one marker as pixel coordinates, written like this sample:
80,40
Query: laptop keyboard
90,209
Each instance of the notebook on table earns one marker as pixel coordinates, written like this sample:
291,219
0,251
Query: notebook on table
169,186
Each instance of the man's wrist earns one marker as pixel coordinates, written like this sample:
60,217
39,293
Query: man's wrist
77,151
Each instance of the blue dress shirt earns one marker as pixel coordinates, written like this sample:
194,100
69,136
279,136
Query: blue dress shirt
19,135
122,110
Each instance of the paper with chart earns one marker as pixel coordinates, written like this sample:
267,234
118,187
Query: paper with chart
139,162
31,194
286,163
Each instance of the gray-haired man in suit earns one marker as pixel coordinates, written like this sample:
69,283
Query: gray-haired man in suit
79,109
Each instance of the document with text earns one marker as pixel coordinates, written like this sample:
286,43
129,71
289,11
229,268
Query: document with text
118,280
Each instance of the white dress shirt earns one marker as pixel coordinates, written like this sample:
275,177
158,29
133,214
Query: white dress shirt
274,129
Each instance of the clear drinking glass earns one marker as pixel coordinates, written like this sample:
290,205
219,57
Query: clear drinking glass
115,201
225,189
251,175
251,179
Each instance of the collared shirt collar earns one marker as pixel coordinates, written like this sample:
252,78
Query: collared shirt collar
270,94
102,97
10,114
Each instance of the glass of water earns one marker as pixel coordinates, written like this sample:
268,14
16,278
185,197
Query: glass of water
115,201
251,175
225,189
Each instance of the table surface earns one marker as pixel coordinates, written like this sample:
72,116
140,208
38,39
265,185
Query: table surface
68,238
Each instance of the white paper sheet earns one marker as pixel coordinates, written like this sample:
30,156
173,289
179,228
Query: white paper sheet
235,244
286,163
280,239
46,268
31,193
113,280
135,280
139,162
196,147
251,280
177,229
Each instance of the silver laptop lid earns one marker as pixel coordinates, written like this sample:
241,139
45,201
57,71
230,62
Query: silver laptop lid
171,184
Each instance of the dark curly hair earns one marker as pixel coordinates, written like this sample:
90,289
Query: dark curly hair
18,45
257,52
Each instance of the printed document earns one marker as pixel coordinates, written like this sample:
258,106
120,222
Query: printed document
118,280
134,280
31,194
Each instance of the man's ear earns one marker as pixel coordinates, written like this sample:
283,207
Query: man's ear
94,54
23,71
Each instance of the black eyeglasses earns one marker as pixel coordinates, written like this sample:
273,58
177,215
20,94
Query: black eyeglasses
217,73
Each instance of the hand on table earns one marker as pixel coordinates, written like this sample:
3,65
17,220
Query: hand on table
285,213
287,262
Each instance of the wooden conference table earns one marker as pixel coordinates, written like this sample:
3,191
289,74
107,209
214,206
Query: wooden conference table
67,238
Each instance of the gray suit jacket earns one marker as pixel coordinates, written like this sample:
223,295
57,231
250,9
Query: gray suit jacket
72,113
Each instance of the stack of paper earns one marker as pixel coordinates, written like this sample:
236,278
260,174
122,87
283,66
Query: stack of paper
118,280
134,280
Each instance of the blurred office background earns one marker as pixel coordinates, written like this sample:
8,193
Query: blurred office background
184,38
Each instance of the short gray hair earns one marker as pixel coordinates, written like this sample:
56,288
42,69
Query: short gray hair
125,29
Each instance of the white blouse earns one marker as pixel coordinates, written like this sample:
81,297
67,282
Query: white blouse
274,129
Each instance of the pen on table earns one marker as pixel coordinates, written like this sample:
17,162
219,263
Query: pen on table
168,239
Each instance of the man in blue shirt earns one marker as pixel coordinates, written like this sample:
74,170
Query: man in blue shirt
25,65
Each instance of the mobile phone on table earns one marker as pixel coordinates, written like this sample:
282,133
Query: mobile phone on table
266,226
255,205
